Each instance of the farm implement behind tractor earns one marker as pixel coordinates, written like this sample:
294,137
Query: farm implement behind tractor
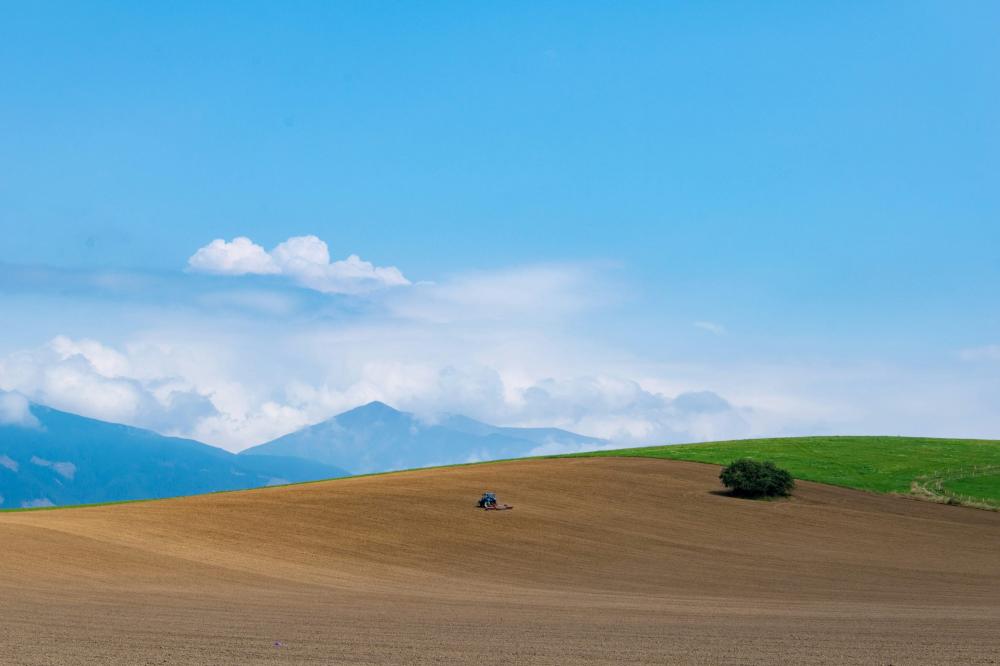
488,502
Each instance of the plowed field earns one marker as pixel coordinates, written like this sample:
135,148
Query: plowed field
603,560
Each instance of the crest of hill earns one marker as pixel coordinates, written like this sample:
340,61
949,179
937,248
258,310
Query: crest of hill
376,437
963,471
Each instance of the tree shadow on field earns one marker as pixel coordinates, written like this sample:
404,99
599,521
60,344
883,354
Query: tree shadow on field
731,495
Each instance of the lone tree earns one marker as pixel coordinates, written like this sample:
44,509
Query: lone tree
752,478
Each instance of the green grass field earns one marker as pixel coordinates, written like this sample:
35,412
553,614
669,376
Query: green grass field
984,486
962,469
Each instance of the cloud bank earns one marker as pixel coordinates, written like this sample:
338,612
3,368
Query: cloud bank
15,410
89,378
303,259
236,362
505,346
205,391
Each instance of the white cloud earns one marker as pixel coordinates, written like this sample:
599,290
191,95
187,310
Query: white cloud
623,411
241,256
89,378
9,463
711,327
986,353
304,259
539,292
301,253
15,410
105,361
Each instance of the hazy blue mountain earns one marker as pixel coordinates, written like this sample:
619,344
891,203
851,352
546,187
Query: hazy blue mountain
70,459
376,437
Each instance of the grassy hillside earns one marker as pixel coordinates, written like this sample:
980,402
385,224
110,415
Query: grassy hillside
963,469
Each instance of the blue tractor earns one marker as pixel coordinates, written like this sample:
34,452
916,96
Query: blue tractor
489,502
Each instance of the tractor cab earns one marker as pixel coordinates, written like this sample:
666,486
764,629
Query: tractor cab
489,502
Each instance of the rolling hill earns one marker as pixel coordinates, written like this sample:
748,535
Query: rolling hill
68,459
377,438
603,560
966,471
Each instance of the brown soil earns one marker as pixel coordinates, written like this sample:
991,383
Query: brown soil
609,560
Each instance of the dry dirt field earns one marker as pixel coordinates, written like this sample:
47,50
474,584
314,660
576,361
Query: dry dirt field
616,560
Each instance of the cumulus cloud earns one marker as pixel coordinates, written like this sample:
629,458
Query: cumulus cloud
16,410
105,361
303,259
240,256
89,378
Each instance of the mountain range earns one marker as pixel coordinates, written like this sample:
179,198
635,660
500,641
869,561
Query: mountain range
62,458
377,438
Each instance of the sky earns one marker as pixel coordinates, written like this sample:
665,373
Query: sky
654,223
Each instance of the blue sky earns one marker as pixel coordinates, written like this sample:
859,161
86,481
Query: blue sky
724,198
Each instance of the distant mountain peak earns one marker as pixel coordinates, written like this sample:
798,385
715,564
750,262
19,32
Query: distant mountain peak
373,407
376,437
